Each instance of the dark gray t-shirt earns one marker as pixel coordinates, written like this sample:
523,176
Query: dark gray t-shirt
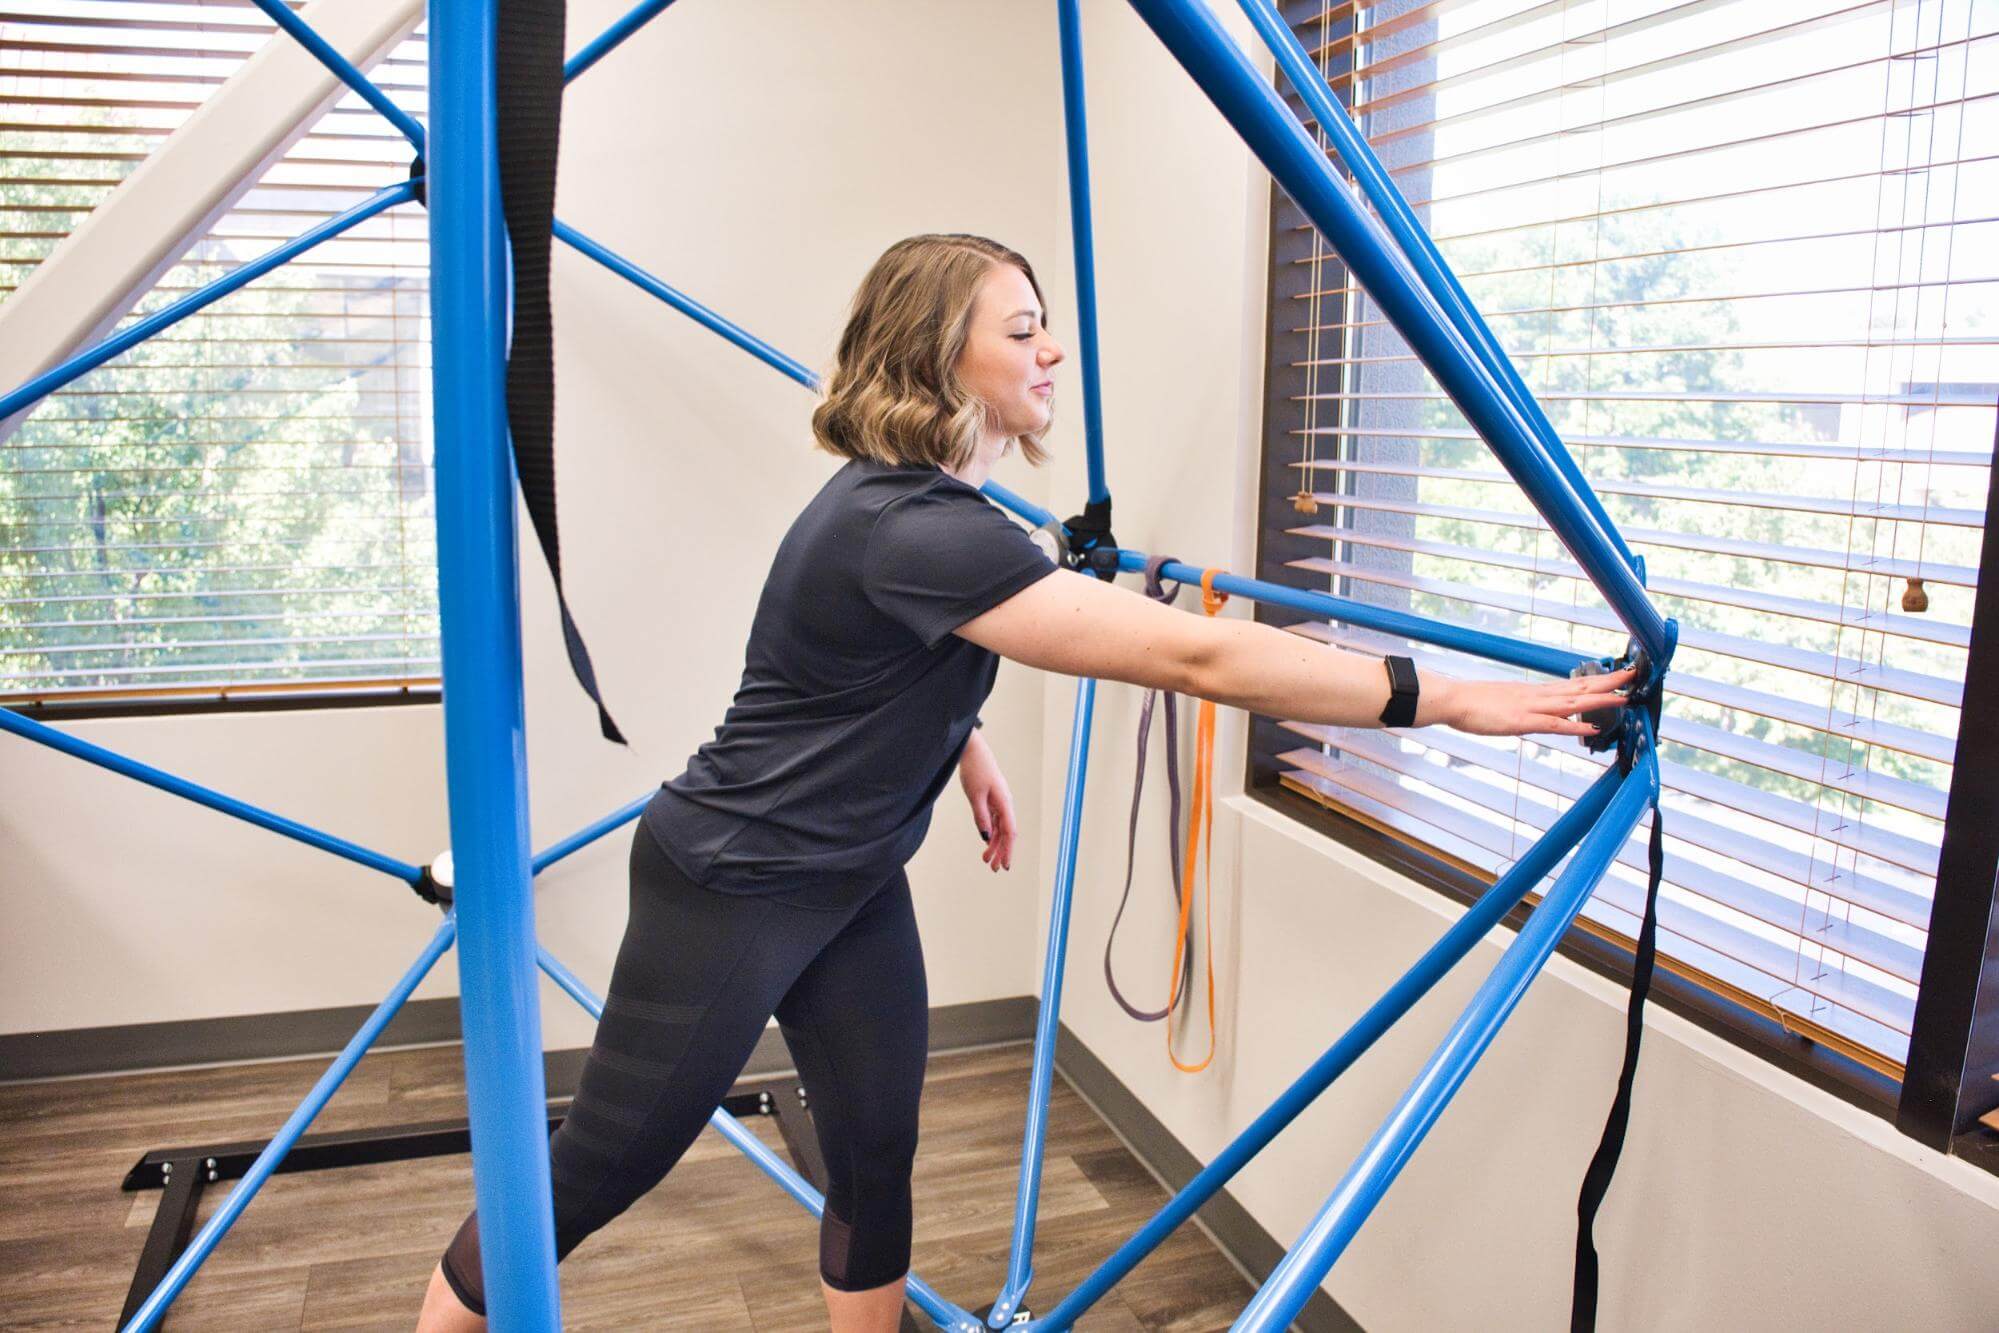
856,696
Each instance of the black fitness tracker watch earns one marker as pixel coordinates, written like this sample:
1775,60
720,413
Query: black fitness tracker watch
1402,692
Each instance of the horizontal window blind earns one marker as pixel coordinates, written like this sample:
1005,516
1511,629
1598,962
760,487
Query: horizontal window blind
1746,253
242,503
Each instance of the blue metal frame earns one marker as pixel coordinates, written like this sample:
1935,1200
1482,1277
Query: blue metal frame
1076,124
583,837
485,739
1196,39
283,15
1020,1260
1422,253
42,734
1493,647
609,39
1436,963
217,1226
1294,1280
484,713
96,355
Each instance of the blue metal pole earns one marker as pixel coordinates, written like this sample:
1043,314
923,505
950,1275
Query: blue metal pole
214,800
282,15
1413,985
90,358
1284,1294
1196,39
1020,1261
686,305
942,1312
584,837
1022,506
1075,119
1422,252
609,39
232,1207
1512,652
484,724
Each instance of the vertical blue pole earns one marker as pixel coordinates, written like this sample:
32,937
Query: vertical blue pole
1075,121
484,716
1020,1262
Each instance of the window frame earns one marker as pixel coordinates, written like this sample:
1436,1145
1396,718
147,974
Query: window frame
1954,1048
222,694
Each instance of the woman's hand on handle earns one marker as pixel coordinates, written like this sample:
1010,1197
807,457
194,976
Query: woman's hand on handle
1518,708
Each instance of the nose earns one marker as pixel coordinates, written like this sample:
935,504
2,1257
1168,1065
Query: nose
1052,353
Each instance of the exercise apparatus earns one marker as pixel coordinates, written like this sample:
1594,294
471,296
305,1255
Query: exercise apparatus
491,918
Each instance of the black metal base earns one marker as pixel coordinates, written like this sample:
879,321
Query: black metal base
984,1314
184,1172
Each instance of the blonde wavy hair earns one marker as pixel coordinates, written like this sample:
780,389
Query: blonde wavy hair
894,395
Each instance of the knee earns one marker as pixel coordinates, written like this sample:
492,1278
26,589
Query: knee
861,1258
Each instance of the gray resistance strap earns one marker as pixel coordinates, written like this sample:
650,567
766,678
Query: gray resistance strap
1158,593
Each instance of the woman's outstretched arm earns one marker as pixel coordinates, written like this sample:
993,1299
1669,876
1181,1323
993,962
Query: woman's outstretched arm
1081,626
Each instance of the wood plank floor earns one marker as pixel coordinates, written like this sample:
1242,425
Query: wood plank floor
716,1247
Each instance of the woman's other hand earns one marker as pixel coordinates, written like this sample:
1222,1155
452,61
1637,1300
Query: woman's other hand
1508,708
992,804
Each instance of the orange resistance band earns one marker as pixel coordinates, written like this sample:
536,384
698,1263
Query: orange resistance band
1200,824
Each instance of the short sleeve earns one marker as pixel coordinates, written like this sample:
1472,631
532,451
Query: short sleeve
939,557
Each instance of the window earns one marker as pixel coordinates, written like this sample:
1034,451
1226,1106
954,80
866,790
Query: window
1747,256
242,504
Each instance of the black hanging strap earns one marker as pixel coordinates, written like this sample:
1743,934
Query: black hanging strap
1596,1181
529,72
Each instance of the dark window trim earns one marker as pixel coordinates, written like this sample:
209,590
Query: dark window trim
243,699
1954,1050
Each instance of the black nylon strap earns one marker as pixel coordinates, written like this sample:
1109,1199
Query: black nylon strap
1596,1181
528,67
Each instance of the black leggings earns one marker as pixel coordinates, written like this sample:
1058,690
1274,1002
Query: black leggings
698,976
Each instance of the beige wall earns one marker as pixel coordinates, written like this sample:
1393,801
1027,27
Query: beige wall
758,157
1746,1200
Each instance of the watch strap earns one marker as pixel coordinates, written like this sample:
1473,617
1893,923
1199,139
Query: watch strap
1403,690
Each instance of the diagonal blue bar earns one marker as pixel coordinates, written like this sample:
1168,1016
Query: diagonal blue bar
1422,252
1413,985
1196,39
1020,1261
583,837
608,40
788,366
1075,121
686,305
1022,506
90,358
217,1226
1512,652
29,729
281,14
485,741
1284,1294
942,1312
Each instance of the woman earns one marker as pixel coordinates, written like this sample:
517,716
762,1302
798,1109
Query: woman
768,877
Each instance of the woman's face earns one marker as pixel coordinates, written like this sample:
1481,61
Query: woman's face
1009,356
